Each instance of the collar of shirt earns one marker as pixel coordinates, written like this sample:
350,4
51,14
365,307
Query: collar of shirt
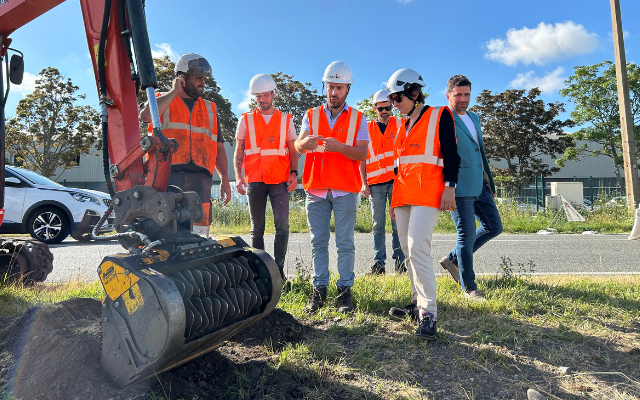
327,110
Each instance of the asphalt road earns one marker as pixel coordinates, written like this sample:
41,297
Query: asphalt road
554,254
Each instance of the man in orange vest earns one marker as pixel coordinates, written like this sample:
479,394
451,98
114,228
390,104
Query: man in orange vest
194,123
334,137
377,180
264,145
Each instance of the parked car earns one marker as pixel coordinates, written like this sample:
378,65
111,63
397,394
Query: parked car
48,211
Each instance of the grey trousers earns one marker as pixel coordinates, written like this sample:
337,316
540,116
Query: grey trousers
257,193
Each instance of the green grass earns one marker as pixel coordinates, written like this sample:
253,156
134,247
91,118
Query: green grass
234,219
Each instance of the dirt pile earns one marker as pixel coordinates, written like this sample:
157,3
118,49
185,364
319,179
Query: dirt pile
53,352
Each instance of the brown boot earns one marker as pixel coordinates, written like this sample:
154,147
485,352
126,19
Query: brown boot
345,304
317,299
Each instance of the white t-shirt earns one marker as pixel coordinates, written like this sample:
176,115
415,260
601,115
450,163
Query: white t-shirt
470,126
241,129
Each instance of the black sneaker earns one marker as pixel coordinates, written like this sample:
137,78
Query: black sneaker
401,313
427,326
401,267
377,269
317,299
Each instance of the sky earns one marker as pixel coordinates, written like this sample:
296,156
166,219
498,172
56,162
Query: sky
498,45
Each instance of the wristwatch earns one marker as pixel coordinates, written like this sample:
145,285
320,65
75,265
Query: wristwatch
294,171
450,184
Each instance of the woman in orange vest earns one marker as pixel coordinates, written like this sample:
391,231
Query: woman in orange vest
428,165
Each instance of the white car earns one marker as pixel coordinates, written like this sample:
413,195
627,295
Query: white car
48,211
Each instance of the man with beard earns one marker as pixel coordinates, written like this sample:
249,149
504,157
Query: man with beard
264,144
377,180
335,138
475,191
194,123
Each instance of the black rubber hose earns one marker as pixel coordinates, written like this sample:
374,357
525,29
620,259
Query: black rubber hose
102,85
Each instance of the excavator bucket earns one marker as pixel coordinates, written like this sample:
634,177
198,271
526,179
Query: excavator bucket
163,310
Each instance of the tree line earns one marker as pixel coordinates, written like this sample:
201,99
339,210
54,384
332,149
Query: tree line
50,131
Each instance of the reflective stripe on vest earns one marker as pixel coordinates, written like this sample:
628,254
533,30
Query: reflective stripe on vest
251,130
382,157
166,124
427,157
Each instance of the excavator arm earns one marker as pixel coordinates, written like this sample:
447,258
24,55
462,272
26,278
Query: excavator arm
172,296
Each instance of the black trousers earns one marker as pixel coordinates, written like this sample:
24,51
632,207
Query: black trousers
257,193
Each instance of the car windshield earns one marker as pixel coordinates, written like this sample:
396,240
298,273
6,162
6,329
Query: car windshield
35,178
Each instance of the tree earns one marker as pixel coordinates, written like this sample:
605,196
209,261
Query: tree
517,127
165,73
49,131
294,97
594,91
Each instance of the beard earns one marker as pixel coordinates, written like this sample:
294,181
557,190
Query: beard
335,102
193,91
264,106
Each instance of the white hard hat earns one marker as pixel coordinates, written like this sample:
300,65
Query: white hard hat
193,64
380,96
262,83
402,79
338,72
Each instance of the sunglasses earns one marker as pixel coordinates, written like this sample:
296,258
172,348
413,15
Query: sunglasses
396,97
381,109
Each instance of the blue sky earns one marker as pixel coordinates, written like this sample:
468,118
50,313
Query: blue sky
498,44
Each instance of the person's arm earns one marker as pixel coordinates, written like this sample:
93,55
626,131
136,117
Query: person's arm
238,161
359,151
223,171
292,182
450,158
365,185
164,100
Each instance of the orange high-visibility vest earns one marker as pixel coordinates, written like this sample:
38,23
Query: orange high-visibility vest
266,154
381,157
420,180
332,170
195,131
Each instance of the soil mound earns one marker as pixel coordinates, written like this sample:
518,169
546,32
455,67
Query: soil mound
53,352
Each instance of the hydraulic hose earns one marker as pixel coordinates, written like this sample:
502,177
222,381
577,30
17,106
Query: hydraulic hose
102,85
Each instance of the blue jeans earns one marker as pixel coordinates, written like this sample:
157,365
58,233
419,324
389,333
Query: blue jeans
378,200
471,239
319,219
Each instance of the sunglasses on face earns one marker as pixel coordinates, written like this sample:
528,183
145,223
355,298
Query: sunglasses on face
381,109
396,97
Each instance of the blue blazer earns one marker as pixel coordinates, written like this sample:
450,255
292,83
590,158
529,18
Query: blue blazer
472,159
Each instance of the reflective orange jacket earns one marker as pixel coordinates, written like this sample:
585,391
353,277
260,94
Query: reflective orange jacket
420,180
332,170
195,131
381,157
266,154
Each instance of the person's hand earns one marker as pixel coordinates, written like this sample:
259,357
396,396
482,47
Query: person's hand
225,192
333,144
366,192
392,214
448,200
178,85
292,182
310,142
241,185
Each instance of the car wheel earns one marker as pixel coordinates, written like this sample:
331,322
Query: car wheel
48,225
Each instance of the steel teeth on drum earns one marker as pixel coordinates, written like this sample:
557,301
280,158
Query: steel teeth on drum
216,294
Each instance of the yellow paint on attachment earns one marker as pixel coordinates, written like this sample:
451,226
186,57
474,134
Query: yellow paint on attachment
114,280
225,241
133,299
160,255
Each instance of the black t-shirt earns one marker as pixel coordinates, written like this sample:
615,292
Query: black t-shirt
448,145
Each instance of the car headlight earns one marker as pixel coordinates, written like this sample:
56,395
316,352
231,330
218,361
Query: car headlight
84,197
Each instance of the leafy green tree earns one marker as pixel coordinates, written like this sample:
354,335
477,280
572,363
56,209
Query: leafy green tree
165,73
49,130
294,97
594,91
516,127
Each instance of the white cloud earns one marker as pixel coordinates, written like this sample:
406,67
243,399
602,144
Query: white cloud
164,49
544,43
550,82
28,84
244,104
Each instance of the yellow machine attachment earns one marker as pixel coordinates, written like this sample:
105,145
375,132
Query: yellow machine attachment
163,310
